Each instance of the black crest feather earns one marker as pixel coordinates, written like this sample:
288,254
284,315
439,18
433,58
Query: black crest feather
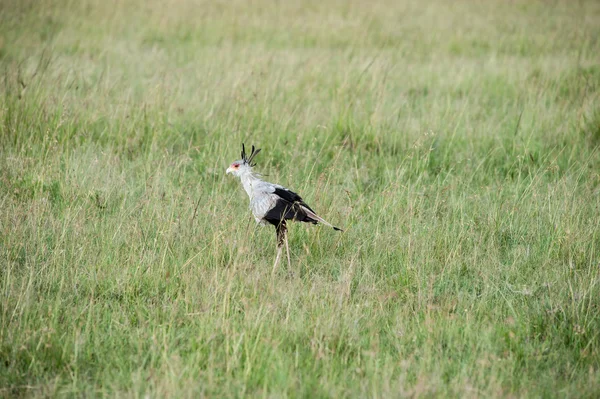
248,160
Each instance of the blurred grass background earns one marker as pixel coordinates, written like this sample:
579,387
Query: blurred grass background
456,142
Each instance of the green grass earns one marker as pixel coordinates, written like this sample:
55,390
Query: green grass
456,142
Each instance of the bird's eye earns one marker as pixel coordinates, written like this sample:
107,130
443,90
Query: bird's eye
236,165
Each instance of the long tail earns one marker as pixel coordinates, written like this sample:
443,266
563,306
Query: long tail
314,216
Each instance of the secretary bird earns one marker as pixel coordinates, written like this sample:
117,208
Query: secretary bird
271,203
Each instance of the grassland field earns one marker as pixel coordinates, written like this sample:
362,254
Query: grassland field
456,142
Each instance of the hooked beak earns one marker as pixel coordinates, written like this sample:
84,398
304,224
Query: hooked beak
229,170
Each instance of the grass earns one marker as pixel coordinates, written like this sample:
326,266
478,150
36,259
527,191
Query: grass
457,143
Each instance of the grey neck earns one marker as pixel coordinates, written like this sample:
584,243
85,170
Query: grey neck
248,181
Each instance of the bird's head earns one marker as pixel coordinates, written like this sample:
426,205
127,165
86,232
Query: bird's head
244,165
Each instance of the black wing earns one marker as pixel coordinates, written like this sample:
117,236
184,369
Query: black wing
291,197
289,205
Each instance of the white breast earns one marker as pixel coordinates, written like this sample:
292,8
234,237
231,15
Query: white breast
261,204
261,194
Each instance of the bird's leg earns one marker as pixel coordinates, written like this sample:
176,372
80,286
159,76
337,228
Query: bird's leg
280,229
287,249
276,259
